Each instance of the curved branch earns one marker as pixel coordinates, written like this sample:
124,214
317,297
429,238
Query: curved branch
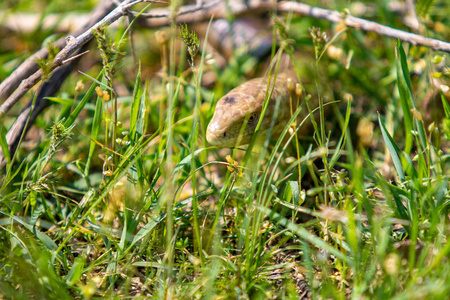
29,66
196,13
187,14
358,23
65,53
161,17
28,115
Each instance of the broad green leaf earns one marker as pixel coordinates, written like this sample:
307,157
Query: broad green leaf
75,272
292,193
45,239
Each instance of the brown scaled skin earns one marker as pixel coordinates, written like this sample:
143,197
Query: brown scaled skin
246,101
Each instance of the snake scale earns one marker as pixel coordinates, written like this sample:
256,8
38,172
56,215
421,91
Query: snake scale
244,104
235,119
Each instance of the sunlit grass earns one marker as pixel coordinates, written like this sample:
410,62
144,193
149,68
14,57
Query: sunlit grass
124,197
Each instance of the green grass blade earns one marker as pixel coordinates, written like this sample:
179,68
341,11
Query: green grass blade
404,89
393,149
95,129
445,105
187,160
71,119
292,193
137,106
4,145
45,239
147,229
75,272
305,234
341,142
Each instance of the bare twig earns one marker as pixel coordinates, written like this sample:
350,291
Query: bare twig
160,17
30,113
195,13
411,20
358,23
74,57
184,10
65,53
30,66
203,10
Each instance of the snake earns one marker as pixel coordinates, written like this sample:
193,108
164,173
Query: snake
237,113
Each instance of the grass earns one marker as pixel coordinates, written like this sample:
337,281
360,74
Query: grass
122,197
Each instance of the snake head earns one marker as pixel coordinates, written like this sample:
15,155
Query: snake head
232,111
238,112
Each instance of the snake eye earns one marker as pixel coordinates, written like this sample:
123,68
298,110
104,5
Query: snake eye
252,118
